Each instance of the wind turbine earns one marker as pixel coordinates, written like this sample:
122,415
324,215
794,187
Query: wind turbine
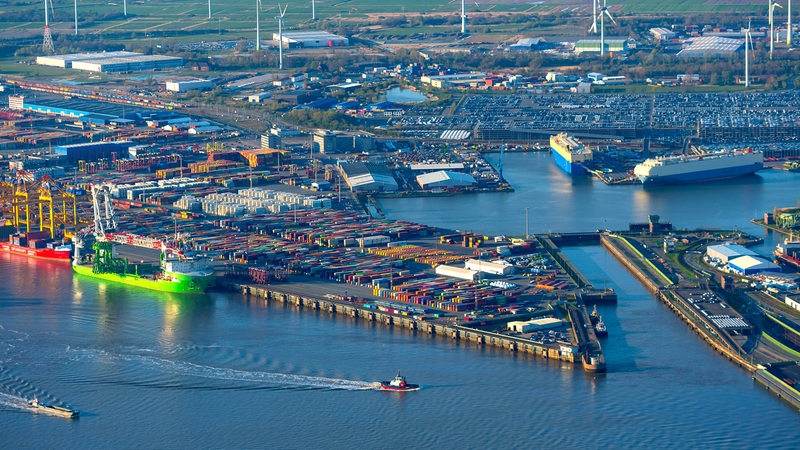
602,12
125,7
748,38
282,13
76,17
258,25
313,10
772,5
789,23
209,9
47,45
593,28
463,16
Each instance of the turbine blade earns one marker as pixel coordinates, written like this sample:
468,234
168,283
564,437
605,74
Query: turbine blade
609,16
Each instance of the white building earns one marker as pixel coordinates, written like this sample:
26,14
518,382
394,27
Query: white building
793,301
493,268
258,97
368,177
308,39
65,61
189,85
663,34
457,272
726,252
127,63
444,179
534,325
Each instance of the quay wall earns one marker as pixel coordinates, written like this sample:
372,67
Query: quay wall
777,387
552,249
643,277
699,325
703,328
433,328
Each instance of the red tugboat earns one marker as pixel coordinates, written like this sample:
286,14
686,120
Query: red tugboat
398,384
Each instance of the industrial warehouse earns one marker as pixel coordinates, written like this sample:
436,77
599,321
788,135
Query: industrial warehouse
311,39
739,259
116,62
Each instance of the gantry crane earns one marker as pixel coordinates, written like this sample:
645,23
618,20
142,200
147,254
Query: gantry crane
29,202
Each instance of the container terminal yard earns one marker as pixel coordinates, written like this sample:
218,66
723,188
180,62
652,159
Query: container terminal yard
282,226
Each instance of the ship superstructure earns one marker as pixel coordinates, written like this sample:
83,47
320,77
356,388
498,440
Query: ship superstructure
569,153
711,166
788,252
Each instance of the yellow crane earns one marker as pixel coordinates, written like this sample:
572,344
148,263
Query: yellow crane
27,202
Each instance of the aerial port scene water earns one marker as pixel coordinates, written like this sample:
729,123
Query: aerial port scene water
354,225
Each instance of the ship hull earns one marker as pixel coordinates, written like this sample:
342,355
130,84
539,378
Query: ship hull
409,387
787,260
702,176
56,411
182,284
594,363
44,253
567,166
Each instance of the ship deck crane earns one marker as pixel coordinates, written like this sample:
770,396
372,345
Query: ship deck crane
104,226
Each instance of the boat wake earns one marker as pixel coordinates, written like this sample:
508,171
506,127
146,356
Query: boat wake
249,376
12,401
15,402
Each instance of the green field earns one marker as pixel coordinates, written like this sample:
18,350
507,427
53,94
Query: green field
238,17
156,24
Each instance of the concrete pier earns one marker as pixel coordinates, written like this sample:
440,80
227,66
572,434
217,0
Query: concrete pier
453,331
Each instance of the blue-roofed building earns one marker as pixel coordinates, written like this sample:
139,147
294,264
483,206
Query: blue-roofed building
98,119
92,151
347,105
20,102
323,103
750,265
380,106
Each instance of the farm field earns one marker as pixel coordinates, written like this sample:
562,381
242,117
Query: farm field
237,17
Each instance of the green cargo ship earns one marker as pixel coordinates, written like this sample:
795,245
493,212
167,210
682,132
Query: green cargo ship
178,274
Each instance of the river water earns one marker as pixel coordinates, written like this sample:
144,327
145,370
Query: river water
154,370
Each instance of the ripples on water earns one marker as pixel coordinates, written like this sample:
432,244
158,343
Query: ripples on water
148,370
183,375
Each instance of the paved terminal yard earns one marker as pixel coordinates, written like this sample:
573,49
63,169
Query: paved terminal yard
397,285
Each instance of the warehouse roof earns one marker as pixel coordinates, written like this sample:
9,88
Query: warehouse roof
731,250
710,45
751,263
446,177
